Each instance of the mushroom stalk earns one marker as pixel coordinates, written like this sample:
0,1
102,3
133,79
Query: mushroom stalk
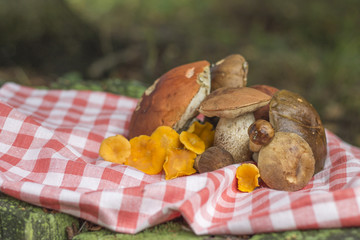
232,135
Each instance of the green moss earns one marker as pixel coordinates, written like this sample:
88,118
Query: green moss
169,230
20,220
323,234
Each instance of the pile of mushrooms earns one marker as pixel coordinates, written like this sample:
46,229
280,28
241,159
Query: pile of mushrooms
280,130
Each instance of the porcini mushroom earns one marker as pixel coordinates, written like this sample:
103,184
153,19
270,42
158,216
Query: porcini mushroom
172,100
229,72
212,159
287,163
234,107
290,112
260,133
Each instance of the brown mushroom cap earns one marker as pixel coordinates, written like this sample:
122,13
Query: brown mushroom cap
212,159
290,112
172,100
233,102
287,162
229,72
261,132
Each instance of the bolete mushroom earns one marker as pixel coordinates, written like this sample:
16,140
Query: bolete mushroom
212,159
260,133
172,100
290,112
287,163
234,107
229,72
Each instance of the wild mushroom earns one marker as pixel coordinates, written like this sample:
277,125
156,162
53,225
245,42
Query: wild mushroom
287,163
260,133
172,100
235,107
290,112
212,159
229,72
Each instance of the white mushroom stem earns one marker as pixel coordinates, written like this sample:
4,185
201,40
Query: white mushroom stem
232,135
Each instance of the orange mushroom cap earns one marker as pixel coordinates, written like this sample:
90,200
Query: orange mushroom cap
115,149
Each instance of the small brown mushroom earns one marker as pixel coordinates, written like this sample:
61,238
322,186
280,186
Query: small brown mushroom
260,133
290,112
287,163
212,159
229,72
234,107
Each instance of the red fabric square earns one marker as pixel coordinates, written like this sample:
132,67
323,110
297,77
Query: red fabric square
89,205
75,168
261,221
303,213
128,219
50,197
102,121
173,194
5,110
23,141
90,154
112,175
51,97
42,165
80,102
349,216
95,137
10,159
54,144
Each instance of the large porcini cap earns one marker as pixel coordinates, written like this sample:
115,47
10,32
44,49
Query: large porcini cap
172,100
233,102
287,163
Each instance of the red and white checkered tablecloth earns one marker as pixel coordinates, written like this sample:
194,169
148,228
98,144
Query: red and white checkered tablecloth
49,142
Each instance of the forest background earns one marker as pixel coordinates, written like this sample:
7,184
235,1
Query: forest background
308,47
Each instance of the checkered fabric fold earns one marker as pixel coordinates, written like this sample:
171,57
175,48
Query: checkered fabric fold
49,142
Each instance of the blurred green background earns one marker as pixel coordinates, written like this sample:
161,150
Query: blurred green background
309,47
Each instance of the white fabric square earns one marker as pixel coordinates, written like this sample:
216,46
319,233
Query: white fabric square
31,154
13,125
134,173
195,183
33,101
325,212
150,206
53,179
111,200
89,183
4,147
67,196
43,133
33,189
77,141
69,202
19,171
282,220
97,99
127,103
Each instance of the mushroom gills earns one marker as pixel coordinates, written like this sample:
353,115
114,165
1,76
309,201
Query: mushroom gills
192,110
